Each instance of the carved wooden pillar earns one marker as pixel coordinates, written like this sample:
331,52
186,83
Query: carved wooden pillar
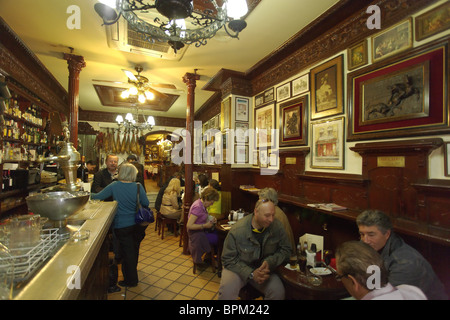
75,63
191,81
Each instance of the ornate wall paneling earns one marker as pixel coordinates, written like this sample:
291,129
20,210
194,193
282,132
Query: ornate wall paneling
394,169
23,69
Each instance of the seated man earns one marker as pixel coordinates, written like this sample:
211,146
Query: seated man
252,250
363,274
404,264
272,195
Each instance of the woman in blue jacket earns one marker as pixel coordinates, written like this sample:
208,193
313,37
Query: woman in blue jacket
127,235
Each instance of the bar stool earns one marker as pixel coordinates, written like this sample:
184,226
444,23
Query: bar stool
158,220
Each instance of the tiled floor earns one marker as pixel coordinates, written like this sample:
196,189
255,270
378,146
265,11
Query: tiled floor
165,273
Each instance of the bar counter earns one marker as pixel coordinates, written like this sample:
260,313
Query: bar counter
51,281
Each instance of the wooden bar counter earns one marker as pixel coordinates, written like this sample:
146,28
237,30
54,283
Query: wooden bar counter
53,281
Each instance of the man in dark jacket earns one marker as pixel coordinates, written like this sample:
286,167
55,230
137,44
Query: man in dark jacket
405,264
105,176
140,176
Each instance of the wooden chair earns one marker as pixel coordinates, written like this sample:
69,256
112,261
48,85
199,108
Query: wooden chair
166,222
213,262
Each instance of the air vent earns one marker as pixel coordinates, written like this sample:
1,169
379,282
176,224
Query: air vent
120,37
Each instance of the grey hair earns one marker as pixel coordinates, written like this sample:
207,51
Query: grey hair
127,172
270,194
375,218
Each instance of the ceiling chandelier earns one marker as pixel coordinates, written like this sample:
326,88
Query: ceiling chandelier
139,87
129,123
180,24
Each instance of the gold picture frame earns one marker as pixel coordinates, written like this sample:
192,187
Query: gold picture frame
326,89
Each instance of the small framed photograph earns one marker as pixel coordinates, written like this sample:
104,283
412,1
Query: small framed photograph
255,158
259,99
284,91
447,158
328,144
273,159
241,132
269,95
225,113
241,154
300,85
241,109
392,41
263,158
357,55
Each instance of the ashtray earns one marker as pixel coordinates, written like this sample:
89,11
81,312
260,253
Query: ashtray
80,235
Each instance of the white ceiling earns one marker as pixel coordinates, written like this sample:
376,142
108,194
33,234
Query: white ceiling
41,24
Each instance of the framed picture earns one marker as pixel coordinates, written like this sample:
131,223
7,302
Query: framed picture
433,22
241,109
328,144
273,159
300,85
255,158
403,98
259,99
241,154
264,124
357,55
396,39
447,159
293,122
263,158
269,95
284,91
241,132
225,113
327,89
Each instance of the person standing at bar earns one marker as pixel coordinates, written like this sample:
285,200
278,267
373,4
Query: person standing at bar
405,264
107,175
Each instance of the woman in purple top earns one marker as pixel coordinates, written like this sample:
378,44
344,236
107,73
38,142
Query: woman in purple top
198,224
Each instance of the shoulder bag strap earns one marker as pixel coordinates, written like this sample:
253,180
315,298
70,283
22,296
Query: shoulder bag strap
137,197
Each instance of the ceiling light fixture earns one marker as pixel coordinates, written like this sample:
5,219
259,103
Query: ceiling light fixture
129,123
181,24
139,89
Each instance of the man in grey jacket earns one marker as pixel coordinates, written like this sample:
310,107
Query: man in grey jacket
252,250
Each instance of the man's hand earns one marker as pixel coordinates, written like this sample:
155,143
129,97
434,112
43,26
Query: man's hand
261,274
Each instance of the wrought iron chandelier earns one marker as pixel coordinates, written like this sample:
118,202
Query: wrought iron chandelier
129,123
181,24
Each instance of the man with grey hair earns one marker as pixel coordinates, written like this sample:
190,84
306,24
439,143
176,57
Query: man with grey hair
363,274
405,264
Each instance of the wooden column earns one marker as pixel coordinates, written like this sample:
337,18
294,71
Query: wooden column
191,81
75,63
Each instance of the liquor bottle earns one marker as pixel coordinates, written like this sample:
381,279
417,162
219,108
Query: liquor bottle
83,170
302,256
10,180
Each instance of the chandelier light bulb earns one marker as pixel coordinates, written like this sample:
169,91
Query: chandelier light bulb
151,120
237,8
149,95
119,119
141,98
133,91
125,94
129,117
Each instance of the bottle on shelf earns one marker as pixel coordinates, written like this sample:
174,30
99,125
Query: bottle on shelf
83,170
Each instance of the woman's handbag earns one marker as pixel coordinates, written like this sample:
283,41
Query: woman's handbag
144,215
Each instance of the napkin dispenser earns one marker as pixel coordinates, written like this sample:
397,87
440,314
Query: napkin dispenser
312,238
236,215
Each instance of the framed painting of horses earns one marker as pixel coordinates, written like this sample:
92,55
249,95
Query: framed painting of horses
402,97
